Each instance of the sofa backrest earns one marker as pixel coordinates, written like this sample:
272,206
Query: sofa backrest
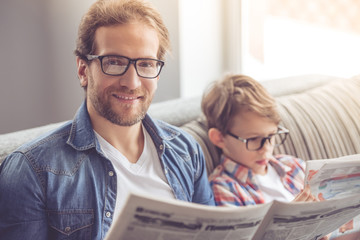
324,122
183,110
323,118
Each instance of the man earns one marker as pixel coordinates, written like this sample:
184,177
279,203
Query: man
71,183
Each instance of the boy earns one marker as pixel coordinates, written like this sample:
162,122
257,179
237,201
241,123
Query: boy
243,123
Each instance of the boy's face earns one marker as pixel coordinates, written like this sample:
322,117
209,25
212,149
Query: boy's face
246,125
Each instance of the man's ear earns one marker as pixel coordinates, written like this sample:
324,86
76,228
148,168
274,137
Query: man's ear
82,68
216,137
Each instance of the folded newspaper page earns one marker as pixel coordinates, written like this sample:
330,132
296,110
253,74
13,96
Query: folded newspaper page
334,178
145,217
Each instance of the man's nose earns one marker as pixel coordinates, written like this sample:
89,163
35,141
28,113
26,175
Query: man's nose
131,79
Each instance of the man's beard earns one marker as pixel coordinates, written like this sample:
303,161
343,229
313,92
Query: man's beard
104,107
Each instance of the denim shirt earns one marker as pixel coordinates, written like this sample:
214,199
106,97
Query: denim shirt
61,186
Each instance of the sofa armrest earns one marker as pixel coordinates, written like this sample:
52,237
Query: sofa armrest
11,141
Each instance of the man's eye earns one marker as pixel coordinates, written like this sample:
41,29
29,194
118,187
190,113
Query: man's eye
112,62
115,61
147,64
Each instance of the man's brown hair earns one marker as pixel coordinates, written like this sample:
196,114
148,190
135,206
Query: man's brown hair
114,12
235,93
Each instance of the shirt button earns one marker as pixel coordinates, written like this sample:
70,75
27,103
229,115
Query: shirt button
161,147
108,214
67,229
111,173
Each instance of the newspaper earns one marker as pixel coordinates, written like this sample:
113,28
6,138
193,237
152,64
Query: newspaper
336,178
147,217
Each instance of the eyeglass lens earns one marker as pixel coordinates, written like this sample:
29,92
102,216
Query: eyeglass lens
257,143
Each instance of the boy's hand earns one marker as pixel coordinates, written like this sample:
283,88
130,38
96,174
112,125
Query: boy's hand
305,195
327,237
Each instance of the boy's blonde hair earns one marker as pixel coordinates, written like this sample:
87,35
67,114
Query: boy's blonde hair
235,93
113,12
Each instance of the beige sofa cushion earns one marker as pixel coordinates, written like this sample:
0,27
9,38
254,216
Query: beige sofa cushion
324,123
198,129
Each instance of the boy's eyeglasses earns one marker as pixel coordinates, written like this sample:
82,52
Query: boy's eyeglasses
115,65
256,143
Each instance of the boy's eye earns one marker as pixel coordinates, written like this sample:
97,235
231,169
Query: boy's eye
255,140
252,139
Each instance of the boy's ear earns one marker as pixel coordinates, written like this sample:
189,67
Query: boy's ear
216,137
82,66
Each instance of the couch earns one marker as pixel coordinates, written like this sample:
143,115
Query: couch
321,112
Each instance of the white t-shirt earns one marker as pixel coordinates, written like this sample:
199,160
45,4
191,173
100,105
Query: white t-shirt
145,176
272,187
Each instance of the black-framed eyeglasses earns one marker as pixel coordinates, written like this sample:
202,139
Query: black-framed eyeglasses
256,143
115,65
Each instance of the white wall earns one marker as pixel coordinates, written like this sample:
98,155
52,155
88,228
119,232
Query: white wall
197,36
201,41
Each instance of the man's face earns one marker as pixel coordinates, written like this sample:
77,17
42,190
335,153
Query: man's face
122,100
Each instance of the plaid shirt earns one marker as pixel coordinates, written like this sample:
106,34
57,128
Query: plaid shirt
234,184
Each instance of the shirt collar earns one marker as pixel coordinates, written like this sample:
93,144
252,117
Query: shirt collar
244,174
82,136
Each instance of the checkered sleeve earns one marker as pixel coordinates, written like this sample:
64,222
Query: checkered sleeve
294,178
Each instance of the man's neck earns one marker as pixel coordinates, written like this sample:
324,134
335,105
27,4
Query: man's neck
129,140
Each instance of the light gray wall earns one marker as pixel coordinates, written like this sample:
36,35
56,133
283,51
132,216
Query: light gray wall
37,67
169,84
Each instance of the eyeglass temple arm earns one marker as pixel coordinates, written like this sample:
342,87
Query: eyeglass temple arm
283,130
91,57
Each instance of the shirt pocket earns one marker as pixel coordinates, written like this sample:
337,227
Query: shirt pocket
70,224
